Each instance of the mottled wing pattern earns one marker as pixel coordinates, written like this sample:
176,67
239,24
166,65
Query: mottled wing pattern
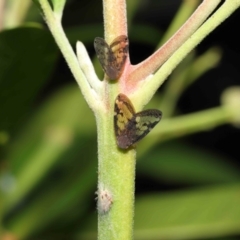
130,127
112,58
119,48
123,113
103,52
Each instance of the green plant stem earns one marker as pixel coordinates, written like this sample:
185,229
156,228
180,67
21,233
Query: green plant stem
55,27
180,80
161,75
116,168
115,19
195,122
116,174
152,63
186,9
189,124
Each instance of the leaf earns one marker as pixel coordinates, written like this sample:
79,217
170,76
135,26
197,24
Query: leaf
27,58
181,163
194,214
46,139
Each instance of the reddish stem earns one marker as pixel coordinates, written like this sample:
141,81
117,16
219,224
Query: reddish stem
151,64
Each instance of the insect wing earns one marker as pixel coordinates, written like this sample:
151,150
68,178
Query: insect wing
130,127
142,123
112,58
123,113
119,48
104,53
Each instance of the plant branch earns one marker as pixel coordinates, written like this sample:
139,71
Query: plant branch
116,168
55,27
151,64
194,122
160,76
180,80
116,175
115,19
188,124
184,12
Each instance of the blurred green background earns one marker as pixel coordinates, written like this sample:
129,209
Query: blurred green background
186,188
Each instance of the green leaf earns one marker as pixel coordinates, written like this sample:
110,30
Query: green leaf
200,213
66,198
47,139
27,58
194,214
37,3
176,162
